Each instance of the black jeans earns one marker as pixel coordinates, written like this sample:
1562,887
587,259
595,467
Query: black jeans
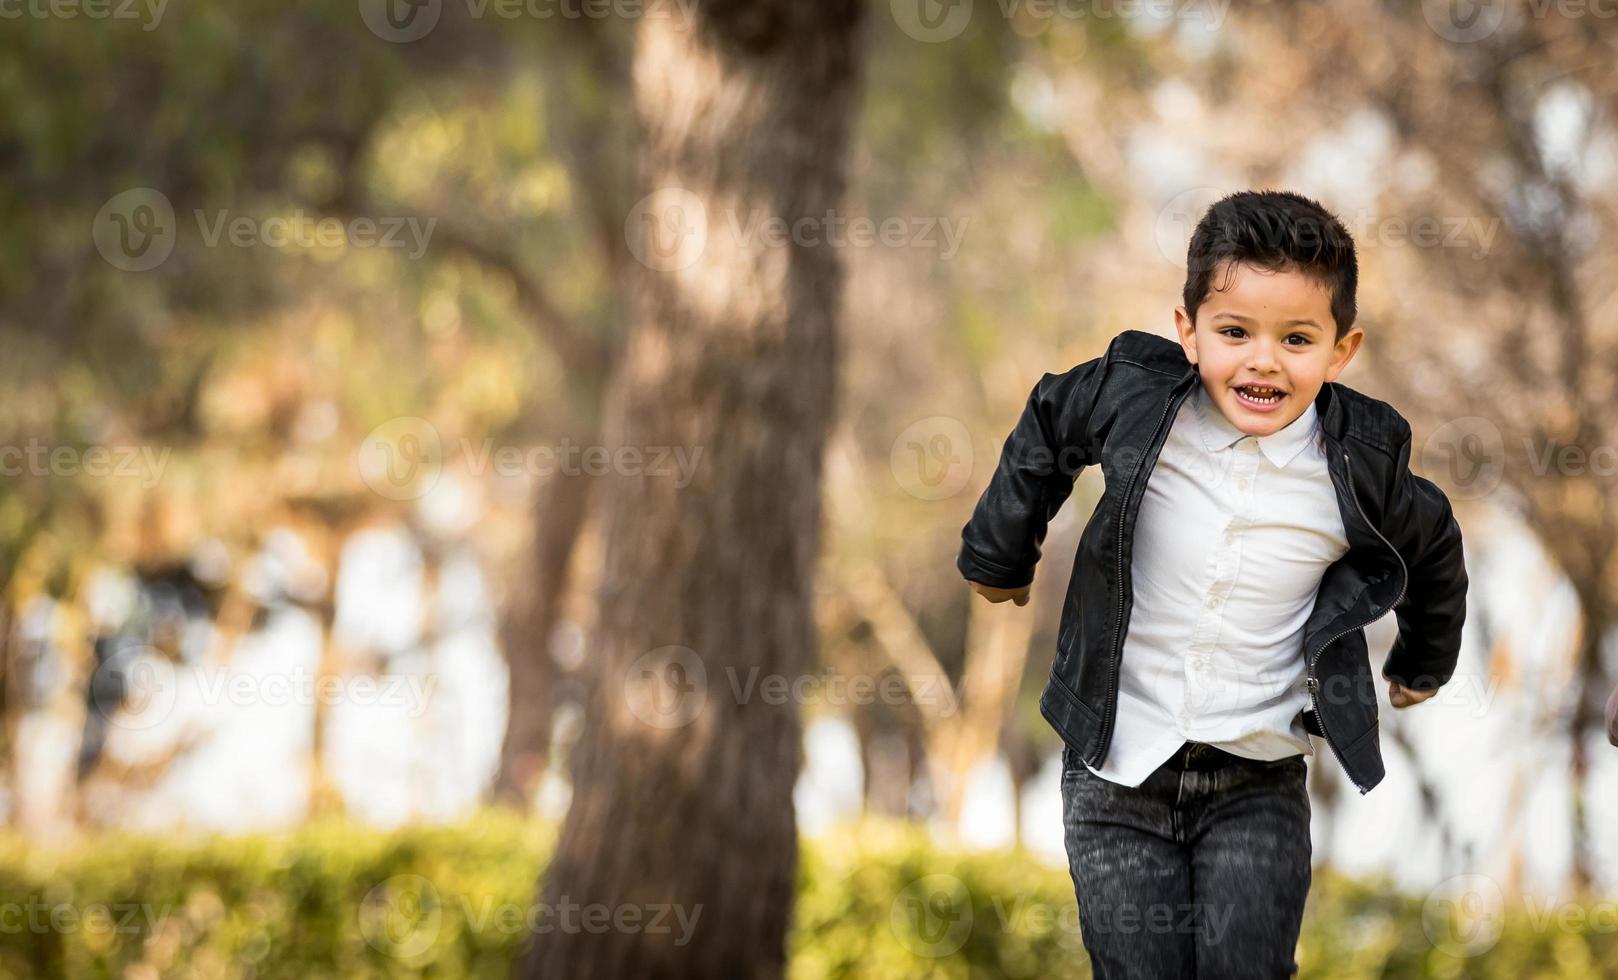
1195,873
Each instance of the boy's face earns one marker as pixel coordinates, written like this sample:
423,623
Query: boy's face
1265,328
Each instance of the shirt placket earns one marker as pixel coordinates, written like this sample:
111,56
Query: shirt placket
1235,494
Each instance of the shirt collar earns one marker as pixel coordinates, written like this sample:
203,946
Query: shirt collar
1280,447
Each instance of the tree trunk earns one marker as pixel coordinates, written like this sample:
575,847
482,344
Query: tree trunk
589,114
560,508
1583,729
707,578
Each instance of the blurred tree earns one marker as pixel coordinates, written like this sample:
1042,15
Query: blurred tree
591,110
254,111
747,114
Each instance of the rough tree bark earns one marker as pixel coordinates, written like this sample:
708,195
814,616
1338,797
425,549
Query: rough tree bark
682,788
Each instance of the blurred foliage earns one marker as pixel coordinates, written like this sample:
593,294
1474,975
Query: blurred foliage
329,900
238,363
876,900
253,373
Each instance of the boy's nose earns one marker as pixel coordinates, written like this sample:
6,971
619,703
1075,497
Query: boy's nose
1262,357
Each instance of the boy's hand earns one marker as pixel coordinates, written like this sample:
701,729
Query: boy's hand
989,592
1404,697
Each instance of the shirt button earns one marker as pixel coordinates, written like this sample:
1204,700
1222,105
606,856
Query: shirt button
1213,601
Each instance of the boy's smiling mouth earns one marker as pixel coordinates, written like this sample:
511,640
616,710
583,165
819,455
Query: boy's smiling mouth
1259,397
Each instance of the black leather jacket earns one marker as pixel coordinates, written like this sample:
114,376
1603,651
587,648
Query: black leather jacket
1404,549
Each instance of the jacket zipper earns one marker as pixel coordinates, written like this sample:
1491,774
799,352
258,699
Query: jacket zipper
1118,623
1314,684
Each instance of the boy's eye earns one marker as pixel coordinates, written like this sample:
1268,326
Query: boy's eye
1232,331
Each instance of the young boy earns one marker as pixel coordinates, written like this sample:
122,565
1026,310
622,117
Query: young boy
1256,517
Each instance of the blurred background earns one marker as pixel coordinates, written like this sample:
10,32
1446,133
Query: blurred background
480,480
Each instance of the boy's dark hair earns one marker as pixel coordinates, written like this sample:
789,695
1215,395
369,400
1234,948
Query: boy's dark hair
1274,230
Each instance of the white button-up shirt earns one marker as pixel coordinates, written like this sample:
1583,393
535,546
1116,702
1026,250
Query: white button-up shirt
1233,537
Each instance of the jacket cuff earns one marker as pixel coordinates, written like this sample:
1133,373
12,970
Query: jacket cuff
1612,717
977,569
1418,670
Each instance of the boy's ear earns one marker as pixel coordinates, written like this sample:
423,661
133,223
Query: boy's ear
1187,332
1344,352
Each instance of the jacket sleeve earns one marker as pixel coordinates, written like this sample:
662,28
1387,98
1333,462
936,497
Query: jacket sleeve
1612,717
1427,537
1042,457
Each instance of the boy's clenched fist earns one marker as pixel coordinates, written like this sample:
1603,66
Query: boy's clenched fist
989,592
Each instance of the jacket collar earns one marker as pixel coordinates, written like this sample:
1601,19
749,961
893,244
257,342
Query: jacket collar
1329,410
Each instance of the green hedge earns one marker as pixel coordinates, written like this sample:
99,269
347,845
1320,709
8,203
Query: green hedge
876,902
327,900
